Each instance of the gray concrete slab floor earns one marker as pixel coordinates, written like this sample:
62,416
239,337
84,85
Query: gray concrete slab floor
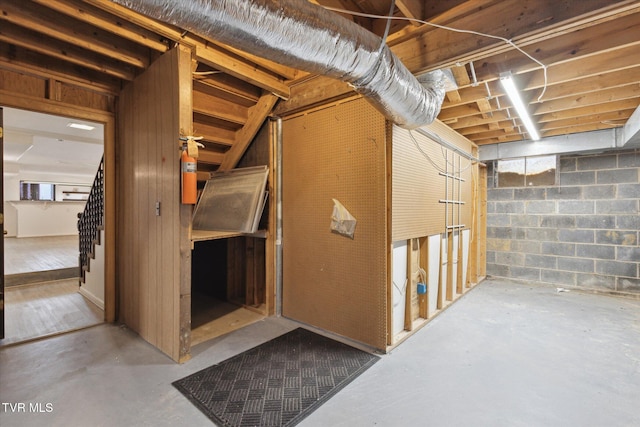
506,354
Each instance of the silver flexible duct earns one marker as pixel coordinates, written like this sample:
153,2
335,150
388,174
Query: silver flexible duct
307,37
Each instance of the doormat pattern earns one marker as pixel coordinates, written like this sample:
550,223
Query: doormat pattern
277,383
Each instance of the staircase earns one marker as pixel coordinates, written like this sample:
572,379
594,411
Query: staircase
91,222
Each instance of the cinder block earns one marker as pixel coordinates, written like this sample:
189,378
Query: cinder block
629,159
525,246
498,220
499,245
510,207
628,253
595,281
542,234
577,236
558,221
596,221
502,233
558,249
617,237
576,207
525,220
490,257
599,192
576,264
540,207
628,191
491,207
578,178
525,273
541,261
567,164
510,258
617,268
564,193
628,222
617,176
558,277
596,251
500,194
626,206
625,284
608,161
498,270
537,193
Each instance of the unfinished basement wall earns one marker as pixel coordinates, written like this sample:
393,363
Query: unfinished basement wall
582,233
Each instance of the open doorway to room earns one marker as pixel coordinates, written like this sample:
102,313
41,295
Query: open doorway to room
50,164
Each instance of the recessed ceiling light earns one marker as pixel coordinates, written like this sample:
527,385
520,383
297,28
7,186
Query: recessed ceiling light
81,126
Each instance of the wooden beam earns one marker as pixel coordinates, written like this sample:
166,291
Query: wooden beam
74,33
315,90
607,107
210,157
107,22
594,40
12,34
213,134
219,108
603,96
32,63
244,136
208,53
216,58
447,49
611,118
411,9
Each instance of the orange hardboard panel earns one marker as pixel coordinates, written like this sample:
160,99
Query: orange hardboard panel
419,166
331,281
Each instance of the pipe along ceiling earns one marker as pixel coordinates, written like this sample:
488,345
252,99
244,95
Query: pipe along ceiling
307,37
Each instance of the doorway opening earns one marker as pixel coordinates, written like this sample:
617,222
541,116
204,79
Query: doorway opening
50,163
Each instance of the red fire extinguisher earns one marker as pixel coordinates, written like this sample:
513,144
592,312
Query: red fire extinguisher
189,168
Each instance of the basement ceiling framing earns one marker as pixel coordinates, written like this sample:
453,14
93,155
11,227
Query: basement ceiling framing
590,49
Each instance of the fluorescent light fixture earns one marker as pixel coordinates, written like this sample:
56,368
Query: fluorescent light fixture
80,126
514,95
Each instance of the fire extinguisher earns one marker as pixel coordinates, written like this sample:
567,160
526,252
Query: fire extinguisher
189,169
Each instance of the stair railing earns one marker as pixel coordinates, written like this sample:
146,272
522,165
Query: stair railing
91,221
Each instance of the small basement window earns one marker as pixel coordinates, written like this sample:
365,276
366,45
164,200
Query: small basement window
526,171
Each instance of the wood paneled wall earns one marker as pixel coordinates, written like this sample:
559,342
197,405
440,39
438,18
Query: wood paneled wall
153,234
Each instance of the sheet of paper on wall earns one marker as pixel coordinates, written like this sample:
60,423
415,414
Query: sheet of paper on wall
232,200
342,222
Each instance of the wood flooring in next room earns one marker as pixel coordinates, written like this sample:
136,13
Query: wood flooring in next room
46,309
29,254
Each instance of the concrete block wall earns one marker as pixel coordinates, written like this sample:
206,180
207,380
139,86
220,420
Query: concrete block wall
582,233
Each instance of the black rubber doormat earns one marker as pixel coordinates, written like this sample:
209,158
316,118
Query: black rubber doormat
278,383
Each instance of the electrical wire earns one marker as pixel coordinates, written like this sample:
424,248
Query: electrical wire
455,30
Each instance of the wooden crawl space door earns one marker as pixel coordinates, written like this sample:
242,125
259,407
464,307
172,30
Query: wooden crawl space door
331,281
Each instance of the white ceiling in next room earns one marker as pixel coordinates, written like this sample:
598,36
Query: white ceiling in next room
35,142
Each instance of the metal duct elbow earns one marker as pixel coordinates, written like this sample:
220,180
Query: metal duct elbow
307,37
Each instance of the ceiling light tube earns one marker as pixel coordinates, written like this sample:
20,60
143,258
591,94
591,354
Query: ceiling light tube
81,126
514,95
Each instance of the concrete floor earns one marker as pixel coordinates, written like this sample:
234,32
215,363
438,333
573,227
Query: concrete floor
505,354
